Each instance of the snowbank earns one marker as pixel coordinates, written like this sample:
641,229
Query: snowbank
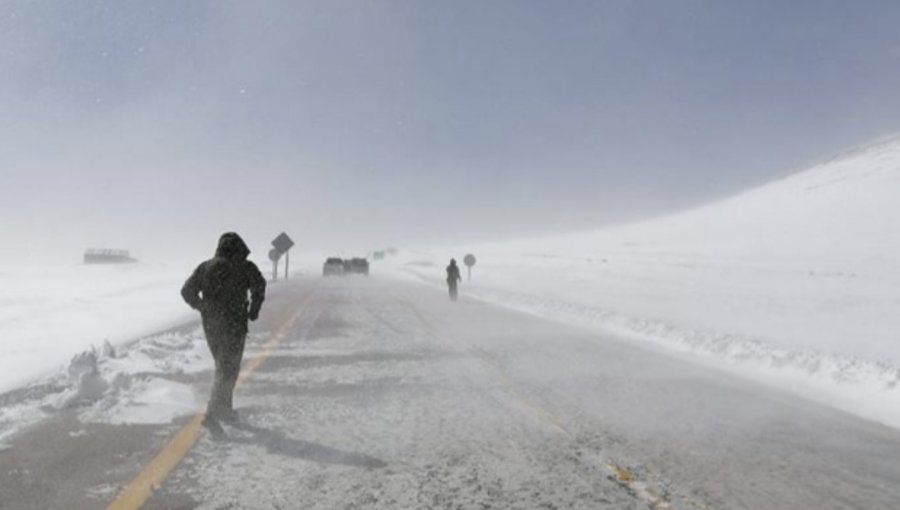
796,283
149,381
49,314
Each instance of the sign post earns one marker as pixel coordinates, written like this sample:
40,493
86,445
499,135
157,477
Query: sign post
281,245
469,261
273,256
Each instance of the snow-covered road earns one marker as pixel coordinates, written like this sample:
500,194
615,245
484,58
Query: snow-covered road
383,394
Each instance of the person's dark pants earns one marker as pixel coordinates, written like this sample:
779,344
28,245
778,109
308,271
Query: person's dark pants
226,344
454,290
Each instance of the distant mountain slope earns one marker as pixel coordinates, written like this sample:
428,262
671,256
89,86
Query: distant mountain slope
848,206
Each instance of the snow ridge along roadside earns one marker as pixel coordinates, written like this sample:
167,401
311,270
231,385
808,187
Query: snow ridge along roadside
795,283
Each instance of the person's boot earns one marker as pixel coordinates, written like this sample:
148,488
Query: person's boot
212,424
229,416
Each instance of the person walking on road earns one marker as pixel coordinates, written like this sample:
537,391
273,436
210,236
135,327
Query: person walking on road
453,279
218,289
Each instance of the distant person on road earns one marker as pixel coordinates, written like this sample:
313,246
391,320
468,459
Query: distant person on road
218,288
453,279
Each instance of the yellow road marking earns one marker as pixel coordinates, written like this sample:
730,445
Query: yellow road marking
141,488
621,475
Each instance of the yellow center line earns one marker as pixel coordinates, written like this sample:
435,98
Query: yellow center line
141,488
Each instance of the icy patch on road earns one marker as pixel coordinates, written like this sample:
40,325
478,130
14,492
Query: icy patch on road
16,417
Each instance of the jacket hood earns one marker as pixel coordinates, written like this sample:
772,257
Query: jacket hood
231,246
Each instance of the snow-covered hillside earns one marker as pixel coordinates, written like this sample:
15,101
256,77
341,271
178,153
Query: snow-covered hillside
843,209
796,283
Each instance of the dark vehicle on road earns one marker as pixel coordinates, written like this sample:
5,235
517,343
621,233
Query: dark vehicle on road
359,266
333,266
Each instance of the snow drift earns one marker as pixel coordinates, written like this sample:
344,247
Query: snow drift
50,313
795,283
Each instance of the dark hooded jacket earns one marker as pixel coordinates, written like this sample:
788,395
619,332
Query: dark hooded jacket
453,273
219,286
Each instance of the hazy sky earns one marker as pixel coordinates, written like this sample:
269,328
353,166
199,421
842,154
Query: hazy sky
156,125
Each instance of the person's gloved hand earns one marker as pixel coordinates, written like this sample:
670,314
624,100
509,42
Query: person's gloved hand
253,315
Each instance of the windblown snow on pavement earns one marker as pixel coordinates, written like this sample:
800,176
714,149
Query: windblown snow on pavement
795,283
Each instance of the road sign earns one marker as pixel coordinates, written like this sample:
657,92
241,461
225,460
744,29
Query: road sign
469,261
282,243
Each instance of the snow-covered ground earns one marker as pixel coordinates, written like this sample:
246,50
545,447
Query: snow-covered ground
67,339
136,383
48,314
795,283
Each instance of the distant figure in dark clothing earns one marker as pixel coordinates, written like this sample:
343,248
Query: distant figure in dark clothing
218,288
453,279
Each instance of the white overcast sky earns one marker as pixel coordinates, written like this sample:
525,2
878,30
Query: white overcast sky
154,126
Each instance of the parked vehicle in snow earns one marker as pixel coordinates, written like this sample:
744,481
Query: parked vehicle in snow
104,256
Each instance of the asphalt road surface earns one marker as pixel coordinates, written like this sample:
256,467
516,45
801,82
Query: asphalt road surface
373,393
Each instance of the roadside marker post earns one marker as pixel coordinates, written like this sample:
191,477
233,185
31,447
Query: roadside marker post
469,261
274,256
